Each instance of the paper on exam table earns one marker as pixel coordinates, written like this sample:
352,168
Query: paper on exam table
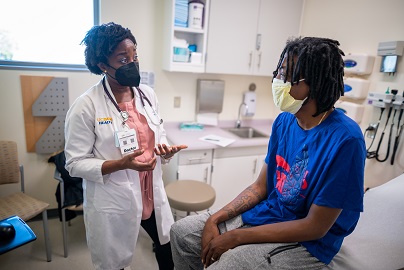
217,140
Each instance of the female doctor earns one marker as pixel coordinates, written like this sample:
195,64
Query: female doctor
116,142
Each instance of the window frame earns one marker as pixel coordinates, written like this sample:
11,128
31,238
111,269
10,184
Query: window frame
26,65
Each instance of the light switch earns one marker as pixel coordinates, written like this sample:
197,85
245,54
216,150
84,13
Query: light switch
177,102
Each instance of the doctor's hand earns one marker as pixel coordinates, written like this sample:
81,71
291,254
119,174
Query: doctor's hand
168,152
130,162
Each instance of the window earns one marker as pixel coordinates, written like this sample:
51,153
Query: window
45,33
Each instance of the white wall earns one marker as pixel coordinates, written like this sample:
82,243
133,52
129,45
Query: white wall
145,19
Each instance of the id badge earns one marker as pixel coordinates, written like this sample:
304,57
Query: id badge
127,141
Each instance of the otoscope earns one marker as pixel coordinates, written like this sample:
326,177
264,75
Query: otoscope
394,92
398,133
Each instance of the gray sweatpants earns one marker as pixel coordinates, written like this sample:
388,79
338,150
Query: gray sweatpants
186,248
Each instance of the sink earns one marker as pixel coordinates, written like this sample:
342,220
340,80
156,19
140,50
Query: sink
246,132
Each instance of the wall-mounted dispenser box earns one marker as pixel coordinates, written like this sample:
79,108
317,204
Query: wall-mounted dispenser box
353,110
356,88
209,96
360,64
390,48
389,51
250,99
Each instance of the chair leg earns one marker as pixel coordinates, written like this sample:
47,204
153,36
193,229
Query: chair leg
46,234
64,232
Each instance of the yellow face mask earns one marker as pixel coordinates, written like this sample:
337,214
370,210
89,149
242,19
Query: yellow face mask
282,98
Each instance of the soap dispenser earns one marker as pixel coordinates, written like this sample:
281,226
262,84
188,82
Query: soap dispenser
249,98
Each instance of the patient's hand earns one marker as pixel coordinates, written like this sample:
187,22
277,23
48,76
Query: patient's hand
210,231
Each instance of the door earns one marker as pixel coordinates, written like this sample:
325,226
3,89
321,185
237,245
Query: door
231,37
278,20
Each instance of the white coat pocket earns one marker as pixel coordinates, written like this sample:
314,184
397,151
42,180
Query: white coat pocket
112,198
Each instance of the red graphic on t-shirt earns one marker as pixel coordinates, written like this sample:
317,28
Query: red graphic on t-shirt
290,181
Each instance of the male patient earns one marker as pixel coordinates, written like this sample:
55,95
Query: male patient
309,194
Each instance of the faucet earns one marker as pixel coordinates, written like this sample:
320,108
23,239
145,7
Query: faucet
238,123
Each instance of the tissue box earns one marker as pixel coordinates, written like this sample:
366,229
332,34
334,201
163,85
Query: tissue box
181,54
196,58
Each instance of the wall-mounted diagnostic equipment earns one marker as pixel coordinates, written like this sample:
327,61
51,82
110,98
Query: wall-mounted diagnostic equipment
389,51
391,106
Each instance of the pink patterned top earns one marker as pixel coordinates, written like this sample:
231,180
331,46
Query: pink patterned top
145,139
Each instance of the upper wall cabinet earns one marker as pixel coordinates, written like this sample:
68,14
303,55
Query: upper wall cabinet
247,37
181,33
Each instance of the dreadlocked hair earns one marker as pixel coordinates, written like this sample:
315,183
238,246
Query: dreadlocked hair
101,41
319,61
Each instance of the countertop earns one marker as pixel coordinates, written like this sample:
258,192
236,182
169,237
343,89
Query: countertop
191,137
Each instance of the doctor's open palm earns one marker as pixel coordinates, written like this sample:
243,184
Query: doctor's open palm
130,162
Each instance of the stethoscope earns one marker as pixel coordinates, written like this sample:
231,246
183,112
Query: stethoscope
151,113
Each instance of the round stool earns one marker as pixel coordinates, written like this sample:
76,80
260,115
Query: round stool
190,195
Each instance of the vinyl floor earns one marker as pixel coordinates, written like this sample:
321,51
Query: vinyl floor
32,256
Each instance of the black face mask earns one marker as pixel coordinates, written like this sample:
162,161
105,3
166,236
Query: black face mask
127,75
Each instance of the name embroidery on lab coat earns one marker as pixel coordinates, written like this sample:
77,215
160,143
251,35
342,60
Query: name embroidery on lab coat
104,120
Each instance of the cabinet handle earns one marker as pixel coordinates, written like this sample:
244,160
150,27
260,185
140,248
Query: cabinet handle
255,166
258,42
249,63
206,174
259,58
196,158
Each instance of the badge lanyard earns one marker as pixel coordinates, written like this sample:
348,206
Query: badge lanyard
126,140
124,114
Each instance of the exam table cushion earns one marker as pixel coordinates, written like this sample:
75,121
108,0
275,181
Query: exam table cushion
378,240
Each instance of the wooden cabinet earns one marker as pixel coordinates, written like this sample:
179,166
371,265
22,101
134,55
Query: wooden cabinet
192,36
234,169
247,37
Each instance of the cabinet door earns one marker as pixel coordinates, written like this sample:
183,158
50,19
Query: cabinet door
199,172
278,20
231,37
230,176
259,162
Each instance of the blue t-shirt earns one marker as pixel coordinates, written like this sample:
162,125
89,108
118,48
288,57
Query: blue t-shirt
322,166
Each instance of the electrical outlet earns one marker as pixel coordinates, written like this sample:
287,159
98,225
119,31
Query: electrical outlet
177,102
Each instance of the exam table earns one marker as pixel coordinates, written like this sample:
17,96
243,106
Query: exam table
377,243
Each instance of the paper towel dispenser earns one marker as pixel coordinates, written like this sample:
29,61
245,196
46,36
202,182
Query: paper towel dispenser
390,48
209,97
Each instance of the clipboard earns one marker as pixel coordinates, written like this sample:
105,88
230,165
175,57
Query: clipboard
23,234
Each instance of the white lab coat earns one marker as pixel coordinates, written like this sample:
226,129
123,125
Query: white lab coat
113,202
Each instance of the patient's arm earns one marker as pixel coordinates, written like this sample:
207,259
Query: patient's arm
247,199
314,226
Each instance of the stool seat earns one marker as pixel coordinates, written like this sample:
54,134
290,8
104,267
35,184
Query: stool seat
190,195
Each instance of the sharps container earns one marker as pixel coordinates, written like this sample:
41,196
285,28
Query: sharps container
195,14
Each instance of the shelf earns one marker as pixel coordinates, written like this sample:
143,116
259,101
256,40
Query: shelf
188,30
192,36
187,67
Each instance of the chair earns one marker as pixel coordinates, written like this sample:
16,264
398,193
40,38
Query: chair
190,195
58,176
19,203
